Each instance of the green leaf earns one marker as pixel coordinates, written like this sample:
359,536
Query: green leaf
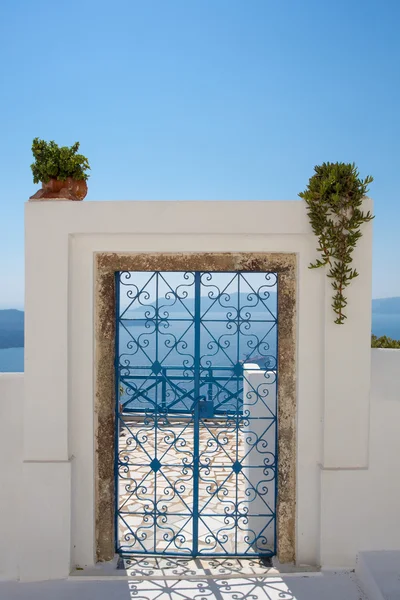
334,198
51,161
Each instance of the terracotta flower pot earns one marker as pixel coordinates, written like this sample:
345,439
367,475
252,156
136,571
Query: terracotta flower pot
70,189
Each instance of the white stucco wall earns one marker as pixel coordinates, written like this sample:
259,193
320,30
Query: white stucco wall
61,240
360,508
11,505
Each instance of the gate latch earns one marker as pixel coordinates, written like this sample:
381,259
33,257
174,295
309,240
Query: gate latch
206,409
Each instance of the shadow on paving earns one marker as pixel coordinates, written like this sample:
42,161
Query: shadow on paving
341,586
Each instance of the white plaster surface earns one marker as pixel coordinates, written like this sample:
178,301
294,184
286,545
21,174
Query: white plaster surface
359,508
259,395
235,235
11,408
379,574
347,367
341,586
44,544
336,508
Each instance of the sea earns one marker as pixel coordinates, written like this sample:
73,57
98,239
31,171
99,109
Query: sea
12,359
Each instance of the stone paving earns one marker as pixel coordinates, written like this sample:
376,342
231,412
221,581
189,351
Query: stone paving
164,477
341,586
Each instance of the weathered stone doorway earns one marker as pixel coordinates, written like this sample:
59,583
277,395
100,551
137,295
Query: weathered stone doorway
107,265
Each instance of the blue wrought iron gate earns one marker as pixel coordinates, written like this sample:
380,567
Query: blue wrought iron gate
196,413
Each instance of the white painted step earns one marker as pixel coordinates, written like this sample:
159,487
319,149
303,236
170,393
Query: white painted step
379,574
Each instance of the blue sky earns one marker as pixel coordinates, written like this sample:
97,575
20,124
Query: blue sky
201,99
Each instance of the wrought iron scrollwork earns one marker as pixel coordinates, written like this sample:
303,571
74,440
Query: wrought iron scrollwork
196,374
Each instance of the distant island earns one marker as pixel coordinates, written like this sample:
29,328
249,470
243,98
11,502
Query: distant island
12,320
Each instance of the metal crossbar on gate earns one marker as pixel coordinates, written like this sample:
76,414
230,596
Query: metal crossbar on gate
212,379
196,413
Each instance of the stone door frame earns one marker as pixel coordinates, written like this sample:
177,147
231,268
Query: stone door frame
106,265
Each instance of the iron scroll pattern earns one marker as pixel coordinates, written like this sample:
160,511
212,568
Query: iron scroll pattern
196,413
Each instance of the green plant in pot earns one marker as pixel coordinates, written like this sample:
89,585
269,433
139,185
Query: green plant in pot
61,170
